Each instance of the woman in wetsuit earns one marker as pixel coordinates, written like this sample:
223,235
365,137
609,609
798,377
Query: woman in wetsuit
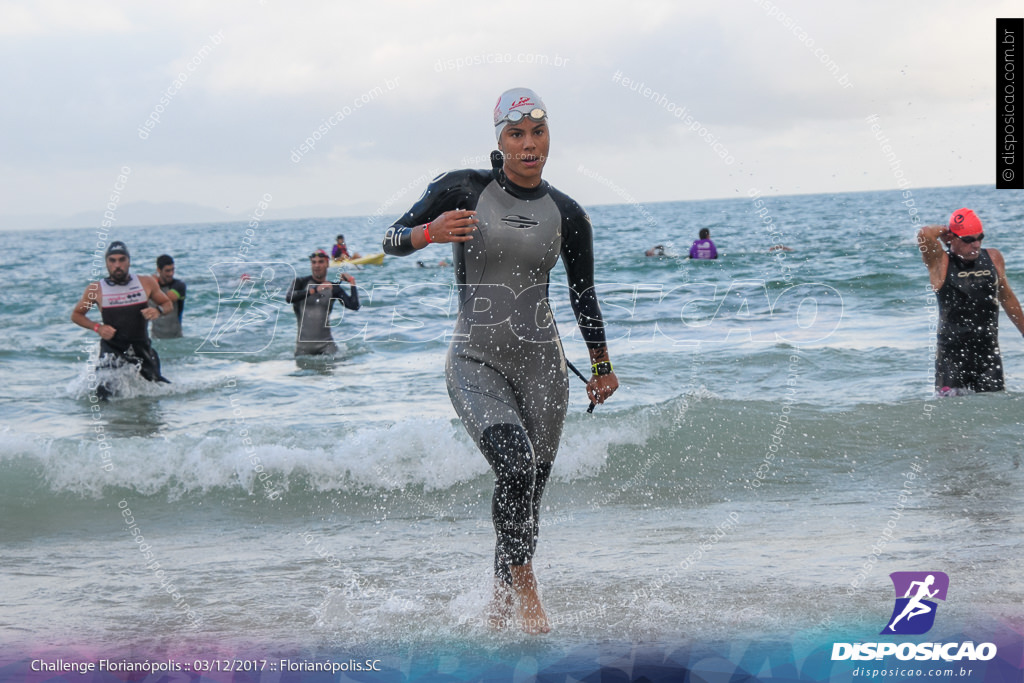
506,373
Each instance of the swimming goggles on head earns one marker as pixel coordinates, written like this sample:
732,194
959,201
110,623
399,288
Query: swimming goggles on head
515,116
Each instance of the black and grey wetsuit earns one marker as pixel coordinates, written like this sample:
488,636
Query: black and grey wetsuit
168,326
968,341
121,307
312,311
506,372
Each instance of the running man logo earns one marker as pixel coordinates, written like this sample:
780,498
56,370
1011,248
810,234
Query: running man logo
914,612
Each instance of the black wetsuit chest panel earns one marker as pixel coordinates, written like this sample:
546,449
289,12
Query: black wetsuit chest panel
967,300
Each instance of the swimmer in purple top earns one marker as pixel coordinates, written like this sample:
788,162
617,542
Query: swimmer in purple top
704,248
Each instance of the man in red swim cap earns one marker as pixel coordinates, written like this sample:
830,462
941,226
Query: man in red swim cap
970,284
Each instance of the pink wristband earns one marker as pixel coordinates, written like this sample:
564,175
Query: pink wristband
96,328
426,233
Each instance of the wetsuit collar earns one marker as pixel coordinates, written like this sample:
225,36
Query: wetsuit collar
961,262
122,281
517,191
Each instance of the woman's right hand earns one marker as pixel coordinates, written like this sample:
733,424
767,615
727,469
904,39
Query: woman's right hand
450,226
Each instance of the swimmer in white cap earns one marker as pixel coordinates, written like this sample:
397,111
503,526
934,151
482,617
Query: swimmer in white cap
506,372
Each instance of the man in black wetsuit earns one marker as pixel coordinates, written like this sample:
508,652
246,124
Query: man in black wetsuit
970,284
312,298
123,302
169,326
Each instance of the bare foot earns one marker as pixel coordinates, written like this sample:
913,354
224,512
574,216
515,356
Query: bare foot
502,606
531,611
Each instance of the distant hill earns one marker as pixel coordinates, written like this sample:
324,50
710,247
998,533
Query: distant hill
164,213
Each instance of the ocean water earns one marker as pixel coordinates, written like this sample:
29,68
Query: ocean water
774,452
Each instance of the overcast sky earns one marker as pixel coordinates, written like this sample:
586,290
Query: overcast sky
81,79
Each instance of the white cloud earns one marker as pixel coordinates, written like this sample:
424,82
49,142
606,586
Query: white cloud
60,18
84,81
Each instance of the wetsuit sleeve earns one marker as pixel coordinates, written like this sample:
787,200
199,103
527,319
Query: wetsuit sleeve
351,300
578,257
445,192
297,292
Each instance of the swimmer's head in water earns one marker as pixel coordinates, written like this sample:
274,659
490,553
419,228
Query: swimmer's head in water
118,261
515,105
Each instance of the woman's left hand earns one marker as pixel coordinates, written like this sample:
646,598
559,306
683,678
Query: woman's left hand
601,387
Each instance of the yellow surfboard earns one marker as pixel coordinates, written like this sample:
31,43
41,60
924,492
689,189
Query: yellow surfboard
372,260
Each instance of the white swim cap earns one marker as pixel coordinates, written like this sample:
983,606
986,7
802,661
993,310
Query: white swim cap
516,104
